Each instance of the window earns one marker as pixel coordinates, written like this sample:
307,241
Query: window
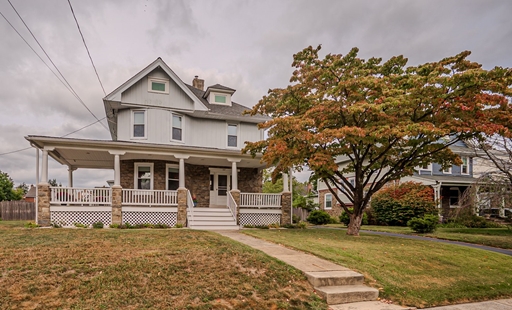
177,126
139,124
464,168
328,201
447,170
173,177
220,99
158,85
454,196
232,135
352,182
143,176
426,168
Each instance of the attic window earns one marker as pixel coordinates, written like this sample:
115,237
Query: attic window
220,98
157,85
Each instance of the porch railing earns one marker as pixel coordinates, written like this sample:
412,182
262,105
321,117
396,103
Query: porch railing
260,200
232,205
190,205
141,197
80,196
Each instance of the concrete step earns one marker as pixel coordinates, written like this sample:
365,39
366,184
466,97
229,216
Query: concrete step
196,209
369,305
347,293
211,222
215,227
334,278
212,214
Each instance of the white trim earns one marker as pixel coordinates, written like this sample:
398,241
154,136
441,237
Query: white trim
182,127
267,211
467,164
447,172
132,124
325,201
212,94
149,209
160,81
167,166
135,174
429,168
237,135
80,208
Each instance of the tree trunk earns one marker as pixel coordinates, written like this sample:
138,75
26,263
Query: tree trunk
355,224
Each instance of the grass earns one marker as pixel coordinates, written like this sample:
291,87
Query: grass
496,237
142,269
409,272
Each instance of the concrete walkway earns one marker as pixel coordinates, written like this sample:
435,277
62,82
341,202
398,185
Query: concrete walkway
416,237
310,264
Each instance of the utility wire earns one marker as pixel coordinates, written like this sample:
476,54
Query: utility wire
88,53
44,51
75,131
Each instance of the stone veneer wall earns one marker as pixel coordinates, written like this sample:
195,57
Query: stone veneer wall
336,208
250,180
127,171
197,181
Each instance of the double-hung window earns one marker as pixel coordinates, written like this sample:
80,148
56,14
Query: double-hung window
177,127
139,124
232,135
143,176
328,201
464,168
173,177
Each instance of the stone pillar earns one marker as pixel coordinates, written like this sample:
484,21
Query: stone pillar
43,204
182,206
286,208
236,197
117,202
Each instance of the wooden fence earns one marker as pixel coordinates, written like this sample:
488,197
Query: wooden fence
301,213
17,211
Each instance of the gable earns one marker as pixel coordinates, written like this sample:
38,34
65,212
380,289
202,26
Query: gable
169,96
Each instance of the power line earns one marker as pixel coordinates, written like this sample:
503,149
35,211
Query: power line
49,58
88,53
27,148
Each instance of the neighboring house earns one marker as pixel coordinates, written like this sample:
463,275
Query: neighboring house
31,194
173,146
448,185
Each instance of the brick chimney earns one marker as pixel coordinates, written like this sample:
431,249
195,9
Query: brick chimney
198,83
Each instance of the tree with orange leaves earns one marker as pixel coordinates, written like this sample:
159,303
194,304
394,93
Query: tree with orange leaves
380,119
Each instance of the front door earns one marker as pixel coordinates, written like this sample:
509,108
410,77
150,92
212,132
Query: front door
219,187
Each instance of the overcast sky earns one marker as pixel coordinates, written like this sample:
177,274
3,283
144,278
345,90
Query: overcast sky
246,45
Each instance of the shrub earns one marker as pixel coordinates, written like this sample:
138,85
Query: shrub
396,205
473,221
56,224
31,225
345,218
319,217
178,226
113,225
427,224
161,225
80,225
295,218
97,225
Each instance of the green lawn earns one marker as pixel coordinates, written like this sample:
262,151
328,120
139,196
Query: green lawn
496,237
409,272
142,269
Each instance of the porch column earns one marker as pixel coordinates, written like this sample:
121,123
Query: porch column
37,181
70,176
182,206
117,166
181,173
286,208
285,183
43,192
234,173
117,190
44,172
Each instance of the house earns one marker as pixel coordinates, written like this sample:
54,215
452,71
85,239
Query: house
176,156
30,196
449,185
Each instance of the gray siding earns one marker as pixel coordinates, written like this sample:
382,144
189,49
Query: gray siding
249,132
139,94
456,170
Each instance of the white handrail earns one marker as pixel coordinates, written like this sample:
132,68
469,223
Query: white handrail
142,197
190,205
260,200
76,196
232,205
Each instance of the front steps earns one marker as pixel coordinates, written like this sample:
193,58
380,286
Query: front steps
211,219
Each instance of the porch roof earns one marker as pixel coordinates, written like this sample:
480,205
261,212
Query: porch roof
447,179
88,153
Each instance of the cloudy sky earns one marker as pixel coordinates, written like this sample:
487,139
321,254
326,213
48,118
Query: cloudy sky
246,45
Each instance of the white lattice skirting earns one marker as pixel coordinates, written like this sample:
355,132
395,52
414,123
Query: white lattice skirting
148,217
69,218
259,219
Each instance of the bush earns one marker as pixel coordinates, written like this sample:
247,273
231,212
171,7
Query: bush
396,205
319,217
114,225
31,225
295,219
427,224
473,221
345,218
97,225
80,225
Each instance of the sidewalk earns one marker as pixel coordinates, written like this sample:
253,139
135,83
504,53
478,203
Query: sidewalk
310,264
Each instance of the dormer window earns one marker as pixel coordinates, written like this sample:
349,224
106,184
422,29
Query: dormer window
158,85
220,99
